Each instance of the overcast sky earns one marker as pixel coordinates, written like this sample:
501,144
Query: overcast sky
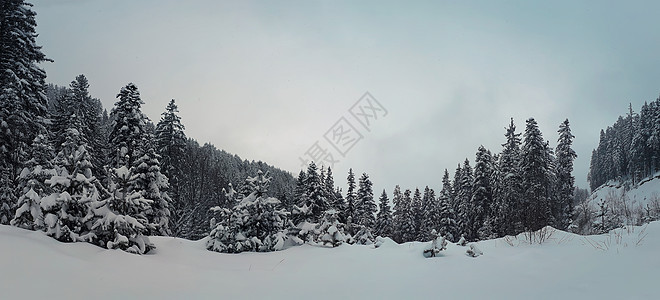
266,80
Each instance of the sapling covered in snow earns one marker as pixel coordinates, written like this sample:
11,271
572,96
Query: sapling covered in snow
253,224
364,236
122,223
462,241
331,231
68,210
32,186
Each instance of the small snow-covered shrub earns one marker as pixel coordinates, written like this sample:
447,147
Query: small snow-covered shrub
473,251
437,244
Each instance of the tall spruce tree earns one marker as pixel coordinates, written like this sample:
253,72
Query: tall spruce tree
22,97
171,145
365,206
350,200
536,182
482,197
565,180
508,194
384,223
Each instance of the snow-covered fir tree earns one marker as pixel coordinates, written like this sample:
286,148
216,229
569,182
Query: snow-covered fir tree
253,224
129,132
508,195
464,192
170,145
152,184
384,222
331,231
430,214
405,218
22,97
122,222
313,204
365,206
482,196
565,180
535,179
69,210
32,185
349,213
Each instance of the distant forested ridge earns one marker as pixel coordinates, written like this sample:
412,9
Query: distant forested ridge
629,149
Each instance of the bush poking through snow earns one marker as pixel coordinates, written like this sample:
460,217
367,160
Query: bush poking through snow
438,244
473,251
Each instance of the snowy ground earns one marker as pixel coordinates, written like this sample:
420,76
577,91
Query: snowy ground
621,265
641,194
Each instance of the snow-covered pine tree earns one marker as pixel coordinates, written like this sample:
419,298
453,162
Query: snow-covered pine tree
334,199
417,214
448,226
464,197
407,225
509,189
398,214
384,222
128,135
535,181
22,98
365,206
430,214
170,145
565,180
122,223
300,193
331,231
69,210
313,205
152,184
254,224
32,185
349,213
482,196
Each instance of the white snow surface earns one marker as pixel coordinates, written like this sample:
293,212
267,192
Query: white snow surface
640,194
623,264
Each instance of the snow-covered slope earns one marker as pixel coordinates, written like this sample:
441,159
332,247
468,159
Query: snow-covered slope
641,194
621,265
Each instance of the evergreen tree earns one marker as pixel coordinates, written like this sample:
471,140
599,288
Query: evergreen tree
129,133
331,230
69,210
536,184
314,204
464,197
365,206
417,214
430,213
398,215
170,145
384,223
254,224
448,226
350,200
508,194
565,179
482,197
406,221
22,98
152,185
32,185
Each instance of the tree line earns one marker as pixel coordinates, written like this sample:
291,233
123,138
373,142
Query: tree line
629,149
79,173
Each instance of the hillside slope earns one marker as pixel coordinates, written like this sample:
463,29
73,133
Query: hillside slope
619,265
